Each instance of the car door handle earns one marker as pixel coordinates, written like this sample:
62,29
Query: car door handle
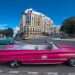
44,57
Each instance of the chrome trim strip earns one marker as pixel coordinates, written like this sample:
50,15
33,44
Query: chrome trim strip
44,63
49,59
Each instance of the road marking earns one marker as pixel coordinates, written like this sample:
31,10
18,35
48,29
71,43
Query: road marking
52,73
63,39
33,73
16,72
1,71
71,73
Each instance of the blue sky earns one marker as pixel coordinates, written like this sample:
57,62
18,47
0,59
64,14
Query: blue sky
58,10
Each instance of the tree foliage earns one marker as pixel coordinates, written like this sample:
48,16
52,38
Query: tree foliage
7,32
68,26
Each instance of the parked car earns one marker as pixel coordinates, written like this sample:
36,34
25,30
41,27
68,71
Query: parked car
17,54
8,40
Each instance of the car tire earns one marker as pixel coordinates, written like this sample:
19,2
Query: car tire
72,62
14,64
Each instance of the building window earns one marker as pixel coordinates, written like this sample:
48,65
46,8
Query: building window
38,22
33,29
28,20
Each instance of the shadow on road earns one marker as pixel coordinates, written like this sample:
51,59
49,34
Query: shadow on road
34,65
39,65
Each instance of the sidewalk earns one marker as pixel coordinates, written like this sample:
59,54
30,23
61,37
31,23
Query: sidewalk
63,39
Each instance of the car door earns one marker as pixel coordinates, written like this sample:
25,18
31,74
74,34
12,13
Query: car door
48,57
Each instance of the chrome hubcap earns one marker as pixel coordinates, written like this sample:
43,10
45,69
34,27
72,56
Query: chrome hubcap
72,62
14,64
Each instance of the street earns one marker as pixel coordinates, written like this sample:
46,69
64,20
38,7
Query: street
37,70
60,69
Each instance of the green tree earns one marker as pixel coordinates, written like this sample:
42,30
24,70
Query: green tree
8,32
68,26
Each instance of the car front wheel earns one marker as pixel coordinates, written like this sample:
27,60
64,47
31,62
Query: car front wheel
72,62
14,64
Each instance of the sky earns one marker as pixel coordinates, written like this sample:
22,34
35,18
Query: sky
58,10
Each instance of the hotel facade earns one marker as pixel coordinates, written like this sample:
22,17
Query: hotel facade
34,23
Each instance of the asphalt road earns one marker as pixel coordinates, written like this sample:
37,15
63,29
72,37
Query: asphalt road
46,40
60,69
37,70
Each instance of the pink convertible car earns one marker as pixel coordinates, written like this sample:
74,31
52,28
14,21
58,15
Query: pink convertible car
51,53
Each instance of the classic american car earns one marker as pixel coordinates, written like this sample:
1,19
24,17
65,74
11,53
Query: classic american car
50,53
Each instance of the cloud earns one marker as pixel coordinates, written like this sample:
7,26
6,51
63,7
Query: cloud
57,26
3,26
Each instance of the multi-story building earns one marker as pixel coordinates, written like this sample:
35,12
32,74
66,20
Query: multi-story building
34,23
